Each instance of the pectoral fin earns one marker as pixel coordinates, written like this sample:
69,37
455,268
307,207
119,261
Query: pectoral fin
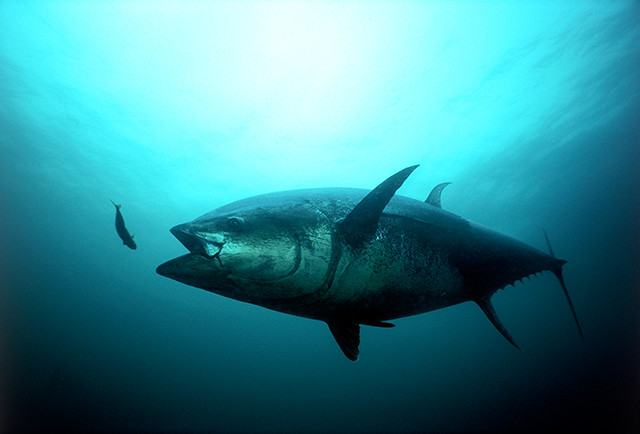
377,324
347,335
485,304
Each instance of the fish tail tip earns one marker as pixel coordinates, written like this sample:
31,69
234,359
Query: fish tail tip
557,270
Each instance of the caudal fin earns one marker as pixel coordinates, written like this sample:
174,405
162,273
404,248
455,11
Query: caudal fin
115,204
556,269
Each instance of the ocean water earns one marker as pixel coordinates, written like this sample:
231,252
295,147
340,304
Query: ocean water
172,109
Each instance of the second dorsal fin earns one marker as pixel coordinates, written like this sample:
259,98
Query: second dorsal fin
485,304
361,223
434,196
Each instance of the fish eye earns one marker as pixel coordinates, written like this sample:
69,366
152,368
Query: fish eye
234,224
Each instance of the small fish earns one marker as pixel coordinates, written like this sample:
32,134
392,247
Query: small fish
123,233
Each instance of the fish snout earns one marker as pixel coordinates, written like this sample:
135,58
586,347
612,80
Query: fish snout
198,240
166,269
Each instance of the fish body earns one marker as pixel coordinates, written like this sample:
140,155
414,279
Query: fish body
350,257
121,229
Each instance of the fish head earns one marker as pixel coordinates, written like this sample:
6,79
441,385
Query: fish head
255,250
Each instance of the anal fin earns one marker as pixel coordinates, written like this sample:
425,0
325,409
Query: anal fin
347,335
485,304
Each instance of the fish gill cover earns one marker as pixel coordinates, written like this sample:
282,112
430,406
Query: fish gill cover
177,108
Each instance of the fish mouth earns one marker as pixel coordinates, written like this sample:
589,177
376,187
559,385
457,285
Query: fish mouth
193,269
203,243
168,269
203,260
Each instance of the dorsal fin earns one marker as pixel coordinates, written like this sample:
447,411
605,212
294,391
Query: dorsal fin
347,335
361,223
434,196
485,304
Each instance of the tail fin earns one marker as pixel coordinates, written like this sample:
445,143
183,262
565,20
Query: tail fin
556,269
115,204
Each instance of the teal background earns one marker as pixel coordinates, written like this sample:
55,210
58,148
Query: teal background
172,109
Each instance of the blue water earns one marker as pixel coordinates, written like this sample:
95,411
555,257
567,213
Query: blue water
531,109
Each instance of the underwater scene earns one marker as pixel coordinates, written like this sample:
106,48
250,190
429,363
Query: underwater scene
369,299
